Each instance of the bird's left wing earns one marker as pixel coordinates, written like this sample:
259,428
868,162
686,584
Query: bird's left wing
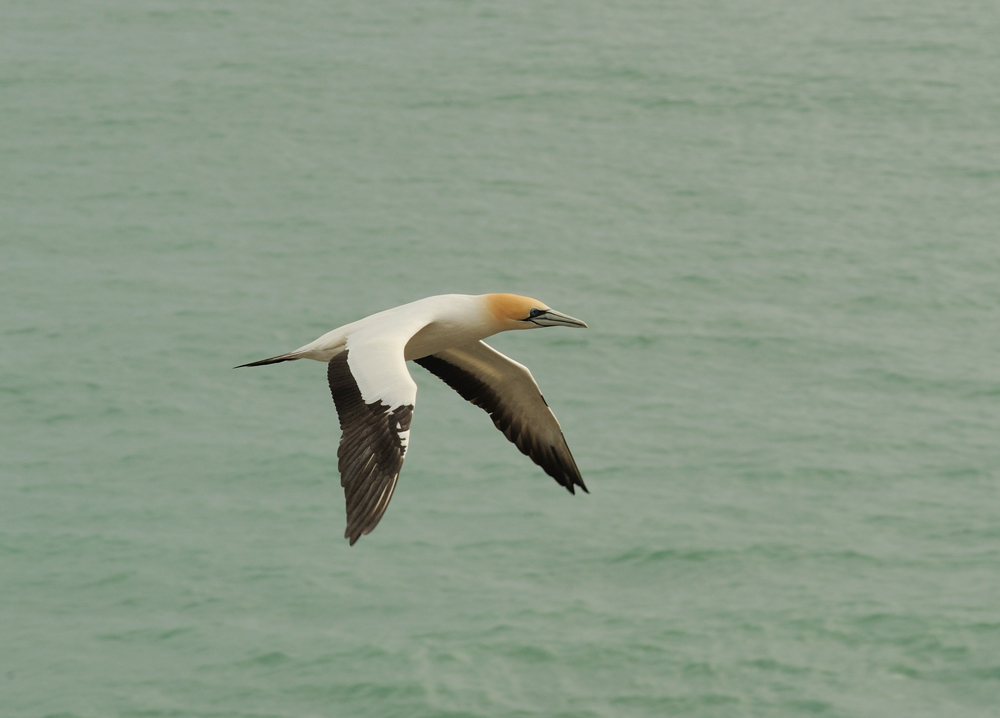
508,393
374,395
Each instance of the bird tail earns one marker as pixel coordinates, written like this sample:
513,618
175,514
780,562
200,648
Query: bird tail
291,356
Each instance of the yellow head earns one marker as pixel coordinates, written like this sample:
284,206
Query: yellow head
512,311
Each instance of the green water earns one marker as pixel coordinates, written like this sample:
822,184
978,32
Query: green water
779,219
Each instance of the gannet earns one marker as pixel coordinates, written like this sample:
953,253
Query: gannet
374,393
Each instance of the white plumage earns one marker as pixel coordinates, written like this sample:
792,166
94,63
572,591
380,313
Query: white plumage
375,394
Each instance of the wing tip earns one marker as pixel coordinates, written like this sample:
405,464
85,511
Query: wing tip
572,482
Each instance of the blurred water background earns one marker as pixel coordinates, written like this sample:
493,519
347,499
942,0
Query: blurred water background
780,220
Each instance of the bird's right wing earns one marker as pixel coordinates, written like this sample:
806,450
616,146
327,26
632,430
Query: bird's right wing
374,395
508,393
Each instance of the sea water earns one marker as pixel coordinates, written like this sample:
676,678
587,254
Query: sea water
779,219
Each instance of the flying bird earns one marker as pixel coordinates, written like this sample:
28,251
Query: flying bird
375,394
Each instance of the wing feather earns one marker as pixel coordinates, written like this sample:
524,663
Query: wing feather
508,393
374,434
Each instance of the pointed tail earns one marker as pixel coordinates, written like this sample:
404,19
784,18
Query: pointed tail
273,360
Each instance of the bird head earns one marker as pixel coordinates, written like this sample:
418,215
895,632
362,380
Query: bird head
513,311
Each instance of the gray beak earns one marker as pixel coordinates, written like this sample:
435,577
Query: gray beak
552,318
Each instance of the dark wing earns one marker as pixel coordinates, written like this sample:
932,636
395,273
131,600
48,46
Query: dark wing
373,444
509,394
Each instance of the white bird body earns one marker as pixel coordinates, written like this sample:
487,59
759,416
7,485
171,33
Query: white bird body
428,325
375,394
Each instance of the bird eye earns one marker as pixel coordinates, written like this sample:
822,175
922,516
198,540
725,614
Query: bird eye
535,312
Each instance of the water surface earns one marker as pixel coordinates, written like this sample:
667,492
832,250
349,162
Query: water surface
780,222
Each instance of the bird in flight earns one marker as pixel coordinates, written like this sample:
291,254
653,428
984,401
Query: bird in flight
375,394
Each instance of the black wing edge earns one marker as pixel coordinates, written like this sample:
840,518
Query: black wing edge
370,454
561,468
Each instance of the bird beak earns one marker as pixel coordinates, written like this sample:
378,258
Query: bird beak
552,318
